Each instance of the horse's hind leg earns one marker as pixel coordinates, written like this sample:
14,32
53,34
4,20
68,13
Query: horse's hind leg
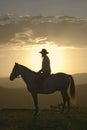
65,98
68,101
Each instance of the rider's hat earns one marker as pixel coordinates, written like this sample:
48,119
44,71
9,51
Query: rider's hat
44,51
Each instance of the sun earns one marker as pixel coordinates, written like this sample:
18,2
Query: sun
55,55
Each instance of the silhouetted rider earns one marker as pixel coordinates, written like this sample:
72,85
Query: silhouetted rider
46,69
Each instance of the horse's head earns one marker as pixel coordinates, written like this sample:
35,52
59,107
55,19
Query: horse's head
15,72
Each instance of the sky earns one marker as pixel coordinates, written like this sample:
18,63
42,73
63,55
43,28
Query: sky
45,7
67,44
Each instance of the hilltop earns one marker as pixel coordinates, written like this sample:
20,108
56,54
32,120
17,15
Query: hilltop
80,78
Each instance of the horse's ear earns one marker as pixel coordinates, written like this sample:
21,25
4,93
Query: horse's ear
16,63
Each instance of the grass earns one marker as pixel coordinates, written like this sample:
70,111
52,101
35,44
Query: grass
21,119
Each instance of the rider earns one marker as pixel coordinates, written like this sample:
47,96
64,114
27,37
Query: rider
46,69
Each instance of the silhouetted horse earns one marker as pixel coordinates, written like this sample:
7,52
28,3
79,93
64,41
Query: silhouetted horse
56,82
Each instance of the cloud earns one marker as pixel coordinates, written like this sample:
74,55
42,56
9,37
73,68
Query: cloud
27,38
61,34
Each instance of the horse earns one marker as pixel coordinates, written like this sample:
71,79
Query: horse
55,82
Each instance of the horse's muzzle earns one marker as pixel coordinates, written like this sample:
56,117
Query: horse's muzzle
10,78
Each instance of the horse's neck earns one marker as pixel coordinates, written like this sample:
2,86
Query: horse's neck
28,75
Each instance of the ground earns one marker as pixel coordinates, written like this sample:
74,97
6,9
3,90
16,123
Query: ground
21,119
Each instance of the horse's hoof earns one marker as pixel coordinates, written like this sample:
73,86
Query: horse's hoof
36,114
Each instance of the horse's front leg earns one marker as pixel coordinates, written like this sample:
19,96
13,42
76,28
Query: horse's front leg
35,99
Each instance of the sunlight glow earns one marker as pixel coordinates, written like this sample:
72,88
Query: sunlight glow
55,55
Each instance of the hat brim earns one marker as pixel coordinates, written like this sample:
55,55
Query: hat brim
44,52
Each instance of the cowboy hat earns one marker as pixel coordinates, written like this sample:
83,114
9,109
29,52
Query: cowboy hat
44,51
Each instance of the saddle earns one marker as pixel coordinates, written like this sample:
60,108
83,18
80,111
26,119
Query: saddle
41,77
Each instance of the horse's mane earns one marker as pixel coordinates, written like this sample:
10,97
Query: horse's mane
26,68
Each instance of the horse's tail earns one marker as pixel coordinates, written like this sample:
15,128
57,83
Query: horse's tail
72,87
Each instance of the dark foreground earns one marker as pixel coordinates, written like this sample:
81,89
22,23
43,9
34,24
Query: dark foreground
14,119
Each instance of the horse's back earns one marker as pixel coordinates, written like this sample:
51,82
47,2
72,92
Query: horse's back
58,79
